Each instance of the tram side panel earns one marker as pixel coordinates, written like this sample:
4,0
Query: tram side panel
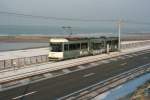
111,45
71,50
97,46
75,50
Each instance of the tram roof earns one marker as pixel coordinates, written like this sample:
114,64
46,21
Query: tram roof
67,39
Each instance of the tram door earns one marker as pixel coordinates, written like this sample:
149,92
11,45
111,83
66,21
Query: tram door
107,48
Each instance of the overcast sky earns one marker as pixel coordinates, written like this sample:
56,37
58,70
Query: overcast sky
138,10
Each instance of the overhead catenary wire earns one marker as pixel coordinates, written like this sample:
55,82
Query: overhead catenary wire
74,19
56,18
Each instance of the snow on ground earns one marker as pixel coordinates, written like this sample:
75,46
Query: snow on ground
23,53
123,90
38,51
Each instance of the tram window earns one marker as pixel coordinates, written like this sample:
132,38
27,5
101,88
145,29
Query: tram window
74,46
66,47
102,44
84,45
71,47
78,46
56,47
97,46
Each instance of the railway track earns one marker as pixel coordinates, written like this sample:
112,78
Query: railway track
103,86
70,65
37,83
59,66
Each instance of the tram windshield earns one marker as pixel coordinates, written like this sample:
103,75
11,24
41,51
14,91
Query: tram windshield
56,47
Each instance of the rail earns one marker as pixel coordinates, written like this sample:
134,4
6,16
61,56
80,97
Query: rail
38,70
103,86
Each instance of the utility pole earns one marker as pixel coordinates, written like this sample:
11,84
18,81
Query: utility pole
119,34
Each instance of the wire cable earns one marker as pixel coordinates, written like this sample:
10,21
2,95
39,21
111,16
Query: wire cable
55,18
74,19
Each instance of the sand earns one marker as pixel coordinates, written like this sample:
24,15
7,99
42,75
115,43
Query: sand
128,37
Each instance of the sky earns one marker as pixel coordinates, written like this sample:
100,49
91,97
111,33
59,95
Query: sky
137,10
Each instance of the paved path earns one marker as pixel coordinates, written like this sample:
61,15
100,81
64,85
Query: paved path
47,67
91,73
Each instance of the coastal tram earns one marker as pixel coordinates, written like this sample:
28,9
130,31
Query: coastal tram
74,47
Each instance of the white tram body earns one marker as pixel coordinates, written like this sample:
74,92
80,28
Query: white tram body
65,48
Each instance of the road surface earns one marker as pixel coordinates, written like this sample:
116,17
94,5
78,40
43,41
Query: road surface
54,88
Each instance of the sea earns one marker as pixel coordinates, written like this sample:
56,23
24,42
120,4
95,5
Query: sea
10,46
45,30
38,30
50,30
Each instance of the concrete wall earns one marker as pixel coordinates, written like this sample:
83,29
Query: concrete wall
21,62
133,45
2,64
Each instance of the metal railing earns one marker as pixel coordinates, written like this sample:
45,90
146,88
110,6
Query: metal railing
134,45
103,86
22,62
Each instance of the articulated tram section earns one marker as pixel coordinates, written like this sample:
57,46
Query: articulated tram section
68,56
